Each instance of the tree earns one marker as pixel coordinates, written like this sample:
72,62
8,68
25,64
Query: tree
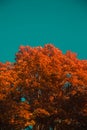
44,88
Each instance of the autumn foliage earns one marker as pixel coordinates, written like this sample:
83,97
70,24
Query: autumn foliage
53,86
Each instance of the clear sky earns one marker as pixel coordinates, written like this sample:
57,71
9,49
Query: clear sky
37,22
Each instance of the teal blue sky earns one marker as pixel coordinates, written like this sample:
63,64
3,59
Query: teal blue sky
37,22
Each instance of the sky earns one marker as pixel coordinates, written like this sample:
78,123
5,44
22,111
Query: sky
37,22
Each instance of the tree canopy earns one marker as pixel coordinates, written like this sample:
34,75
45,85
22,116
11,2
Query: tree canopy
43,88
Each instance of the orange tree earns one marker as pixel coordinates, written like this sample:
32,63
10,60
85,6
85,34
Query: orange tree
43,88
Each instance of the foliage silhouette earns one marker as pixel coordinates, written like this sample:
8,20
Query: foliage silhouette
54,86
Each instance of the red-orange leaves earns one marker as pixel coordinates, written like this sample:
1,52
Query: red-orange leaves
53,84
